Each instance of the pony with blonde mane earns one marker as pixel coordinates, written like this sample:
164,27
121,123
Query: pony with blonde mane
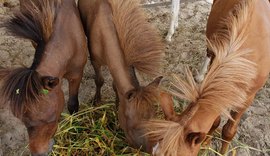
120,37
239,68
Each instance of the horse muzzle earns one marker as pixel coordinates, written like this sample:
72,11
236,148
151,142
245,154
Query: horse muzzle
51,143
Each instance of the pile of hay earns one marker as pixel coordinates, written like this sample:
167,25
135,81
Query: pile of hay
92,131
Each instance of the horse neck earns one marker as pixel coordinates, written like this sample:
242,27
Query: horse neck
125,79
63,43
53,62
124,76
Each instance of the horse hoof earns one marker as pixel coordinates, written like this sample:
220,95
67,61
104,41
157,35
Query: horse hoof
168,38
73,109
73,104
199,78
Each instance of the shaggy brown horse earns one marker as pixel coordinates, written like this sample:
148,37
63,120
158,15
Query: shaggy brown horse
34,94
239,68
121,38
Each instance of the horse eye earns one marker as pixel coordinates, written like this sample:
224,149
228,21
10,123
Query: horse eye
195,138
51,84
130,96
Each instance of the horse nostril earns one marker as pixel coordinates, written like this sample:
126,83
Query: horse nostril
50,147
155,149
51,143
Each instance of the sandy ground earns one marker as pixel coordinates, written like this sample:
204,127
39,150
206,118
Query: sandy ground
187,48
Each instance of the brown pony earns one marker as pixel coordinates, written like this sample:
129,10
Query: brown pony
34,94
239,68
121,38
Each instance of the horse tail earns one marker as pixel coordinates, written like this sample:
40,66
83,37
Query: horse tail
21,87
141,43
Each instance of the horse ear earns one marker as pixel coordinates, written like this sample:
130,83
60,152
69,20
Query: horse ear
166,103
156,82
49,82
195,138
130,95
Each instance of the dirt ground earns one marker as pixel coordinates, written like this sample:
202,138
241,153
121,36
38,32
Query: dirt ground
187,48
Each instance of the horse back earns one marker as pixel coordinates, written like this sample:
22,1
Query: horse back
102,36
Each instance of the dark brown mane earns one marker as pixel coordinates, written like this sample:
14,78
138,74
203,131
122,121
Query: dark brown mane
22,87
35,22
140,43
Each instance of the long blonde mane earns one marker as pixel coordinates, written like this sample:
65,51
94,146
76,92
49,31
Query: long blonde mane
226,84
231,74
139,41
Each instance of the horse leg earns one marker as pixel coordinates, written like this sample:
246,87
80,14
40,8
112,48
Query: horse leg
200,76
215,125
174,19
203,70
230,128
177,9
99,81
74,80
